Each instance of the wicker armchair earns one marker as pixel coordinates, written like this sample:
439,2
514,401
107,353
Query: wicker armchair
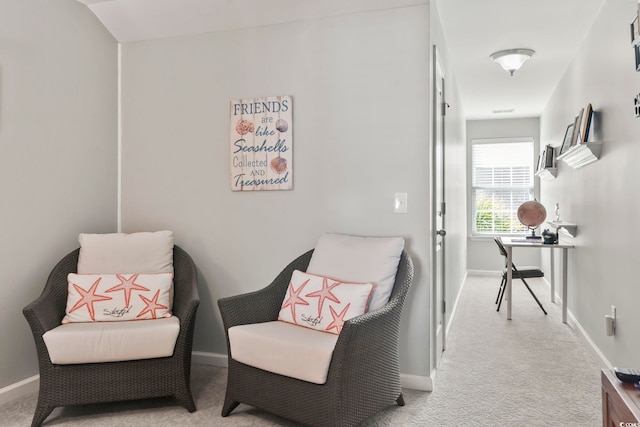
363,376
65,385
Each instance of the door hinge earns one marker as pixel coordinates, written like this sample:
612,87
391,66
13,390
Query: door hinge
444,107
444,306
443,208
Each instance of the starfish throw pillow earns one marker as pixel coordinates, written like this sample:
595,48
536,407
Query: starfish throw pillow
118,297
322,303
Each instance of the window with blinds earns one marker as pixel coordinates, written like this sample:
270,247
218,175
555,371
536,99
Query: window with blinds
502,179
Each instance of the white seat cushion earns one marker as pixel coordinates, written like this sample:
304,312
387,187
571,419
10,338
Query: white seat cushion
74,343
284,348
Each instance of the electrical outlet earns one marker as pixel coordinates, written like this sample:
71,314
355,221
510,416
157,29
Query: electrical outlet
610,322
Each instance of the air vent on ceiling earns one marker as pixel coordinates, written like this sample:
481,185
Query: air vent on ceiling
504,111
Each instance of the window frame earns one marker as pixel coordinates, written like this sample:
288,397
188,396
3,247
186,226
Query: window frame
470,188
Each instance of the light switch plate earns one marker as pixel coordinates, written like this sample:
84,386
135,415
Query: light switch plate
400,203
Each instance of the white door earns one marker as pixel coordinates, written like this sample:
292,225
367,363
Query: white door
439,210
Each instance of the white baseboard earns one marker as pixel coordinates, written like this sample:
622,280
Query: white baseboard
455,304
416,382
484,273
602,360
573,322
413,382
19,389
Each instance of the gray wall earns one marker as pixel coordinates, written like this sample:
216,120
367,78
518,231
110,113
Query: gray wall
602,198
58,130
360,87
482,252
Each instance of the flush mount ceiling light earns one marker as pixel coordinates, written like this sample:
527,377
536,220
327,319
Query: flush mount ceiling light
512,59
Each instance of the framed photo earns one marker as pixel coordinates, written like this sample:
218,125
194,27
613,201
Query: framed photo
566,142
634,30
635,38
576,128
588,115
541,158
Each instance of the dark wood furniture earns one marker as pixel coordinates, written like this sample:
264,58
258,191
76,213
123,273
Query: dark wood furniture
620,401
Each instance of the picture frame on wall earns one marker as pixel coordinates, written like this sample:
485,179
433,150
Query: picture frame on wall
566,142
635,38
588,116
261,143
541,158
634,30
576,128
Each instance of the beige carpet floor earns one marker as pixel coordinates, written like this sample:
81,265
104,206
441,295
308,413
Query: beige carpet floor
530,371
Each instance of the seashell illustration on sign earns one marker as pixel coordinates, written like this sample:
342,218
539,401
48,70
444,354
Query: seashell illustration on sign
279,164
244,126
282,125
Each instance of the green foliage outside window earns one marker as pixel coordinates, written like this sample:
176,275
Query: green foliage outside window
492,217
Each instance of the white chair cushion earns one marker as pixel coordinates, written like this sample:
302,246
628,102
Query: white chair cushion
121,253
284,348
361,260
74,343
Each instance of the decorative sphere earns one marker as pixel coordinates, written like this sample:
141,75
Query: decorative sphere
532,213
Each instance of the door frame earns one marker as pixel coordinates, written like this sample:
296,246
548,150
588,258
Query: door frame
437,304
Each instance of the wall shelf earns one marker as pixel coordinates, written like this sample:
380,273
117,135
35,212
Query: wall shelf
569,228
582,154
547,174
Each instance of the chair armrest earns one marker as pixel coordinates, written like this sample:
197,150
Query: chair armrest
371,340
262,305
42,314
367,342
253,307
46,311
186,298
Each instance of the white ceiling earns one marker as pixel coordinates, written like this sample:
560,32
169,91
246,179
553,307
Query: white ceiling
131,20
474,29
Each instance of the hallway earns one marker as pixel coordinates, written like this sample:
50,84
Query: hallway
533,370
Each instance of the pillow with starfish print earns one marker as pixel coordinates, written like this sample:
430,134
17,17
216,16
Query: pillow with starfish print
118,297
322,303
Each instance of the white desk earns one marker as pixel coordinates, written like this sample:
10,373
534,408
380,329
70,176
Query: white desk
513,242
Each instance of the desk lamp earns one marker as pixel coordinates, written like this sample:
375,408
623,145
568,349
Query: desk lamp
531,214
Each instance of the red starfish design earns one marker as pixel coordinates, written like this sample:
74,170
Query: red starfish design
324,293
126,286
294,298
338,319
151,305
88,298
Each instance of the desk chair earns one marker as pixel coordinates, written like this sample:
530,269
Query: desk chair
523,273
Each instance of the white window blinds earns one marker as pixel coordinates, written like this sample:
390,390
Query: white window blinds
502,179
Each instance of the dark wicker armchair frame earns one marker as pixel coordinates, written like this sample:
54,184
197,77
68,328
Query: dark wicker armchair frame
364,374
66,385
